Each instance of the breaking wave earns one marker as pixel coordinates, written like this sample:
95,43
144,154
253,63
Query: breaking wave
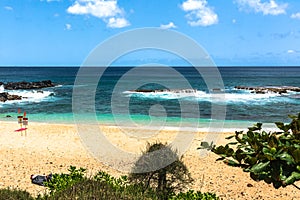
29,95
229,96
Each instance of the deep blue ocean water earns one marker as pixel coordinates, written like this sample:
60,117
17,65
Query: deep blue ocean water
55,104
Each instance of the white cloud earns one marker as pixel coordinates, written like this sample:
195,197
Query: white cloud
199,14
107,10
295,15
291,51
8,8
267,8
168,26
117,22
233,21
68,27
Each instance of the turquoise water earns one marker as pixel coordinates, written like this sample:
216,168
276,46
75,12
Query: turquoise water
119,106
187,124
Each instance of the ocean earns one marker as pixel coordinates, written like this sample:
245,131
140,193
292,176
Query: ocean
120,96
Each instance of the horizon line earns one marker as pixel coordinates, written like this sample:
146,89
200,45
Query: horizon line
78,66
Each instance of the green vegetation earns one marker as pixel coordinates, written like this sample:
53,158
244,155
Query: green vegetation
191,194
273,157
14,194
60,182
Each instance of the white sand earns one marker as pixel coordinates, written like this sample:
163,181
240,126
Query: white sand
54,147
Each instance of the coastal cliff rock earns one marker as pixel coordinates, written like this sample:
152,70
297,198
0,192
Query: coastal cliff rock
27,85
264,90
4,96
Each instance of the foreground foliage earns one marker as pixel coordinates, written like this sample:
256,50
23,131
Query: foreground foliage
12,194
75,185
62,181
270,156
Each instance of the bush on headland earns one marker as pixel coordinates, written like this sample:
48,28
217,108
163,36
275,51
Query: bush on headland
270,156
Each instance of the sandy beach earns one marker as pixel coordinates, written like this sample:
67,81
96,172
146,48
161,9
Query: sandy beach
52,148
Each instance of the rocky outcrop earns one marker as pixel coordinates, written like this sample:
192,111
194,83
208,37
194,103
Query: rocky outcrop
4,96
264,90
166,90
27,85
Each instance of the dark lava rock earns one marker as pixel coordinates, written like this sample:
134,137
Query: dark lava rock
4,96
266,89
28,85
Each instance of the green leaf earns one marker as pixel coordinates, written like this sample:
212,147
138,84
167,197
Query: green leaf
265,150
250,134
280,125
204,145
231,163
293,116
260,167
250,160
230,137
256,127
232,143
296,155
286,157
239,156
291,179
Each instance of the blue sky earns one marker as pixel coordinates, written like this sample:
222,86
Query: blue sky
233,32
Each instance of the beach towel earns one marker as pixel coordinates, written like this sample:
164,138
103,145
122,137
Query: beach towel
40,179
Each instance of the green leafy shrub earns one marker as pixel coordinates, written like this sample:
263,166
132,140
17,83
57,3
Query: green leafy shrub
14,194
102,186
164,181
62,181
107,187
192,195
94,189
273,157
116,183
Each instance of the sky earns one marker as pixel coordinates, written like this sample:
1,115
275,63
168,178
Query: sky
232,32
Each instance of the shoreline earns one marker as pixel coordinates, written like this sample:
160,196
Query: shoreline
186,124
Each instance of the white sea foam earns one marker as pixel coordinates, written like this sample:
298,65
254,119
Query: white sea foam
228,96
1,88
28,95
176,94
